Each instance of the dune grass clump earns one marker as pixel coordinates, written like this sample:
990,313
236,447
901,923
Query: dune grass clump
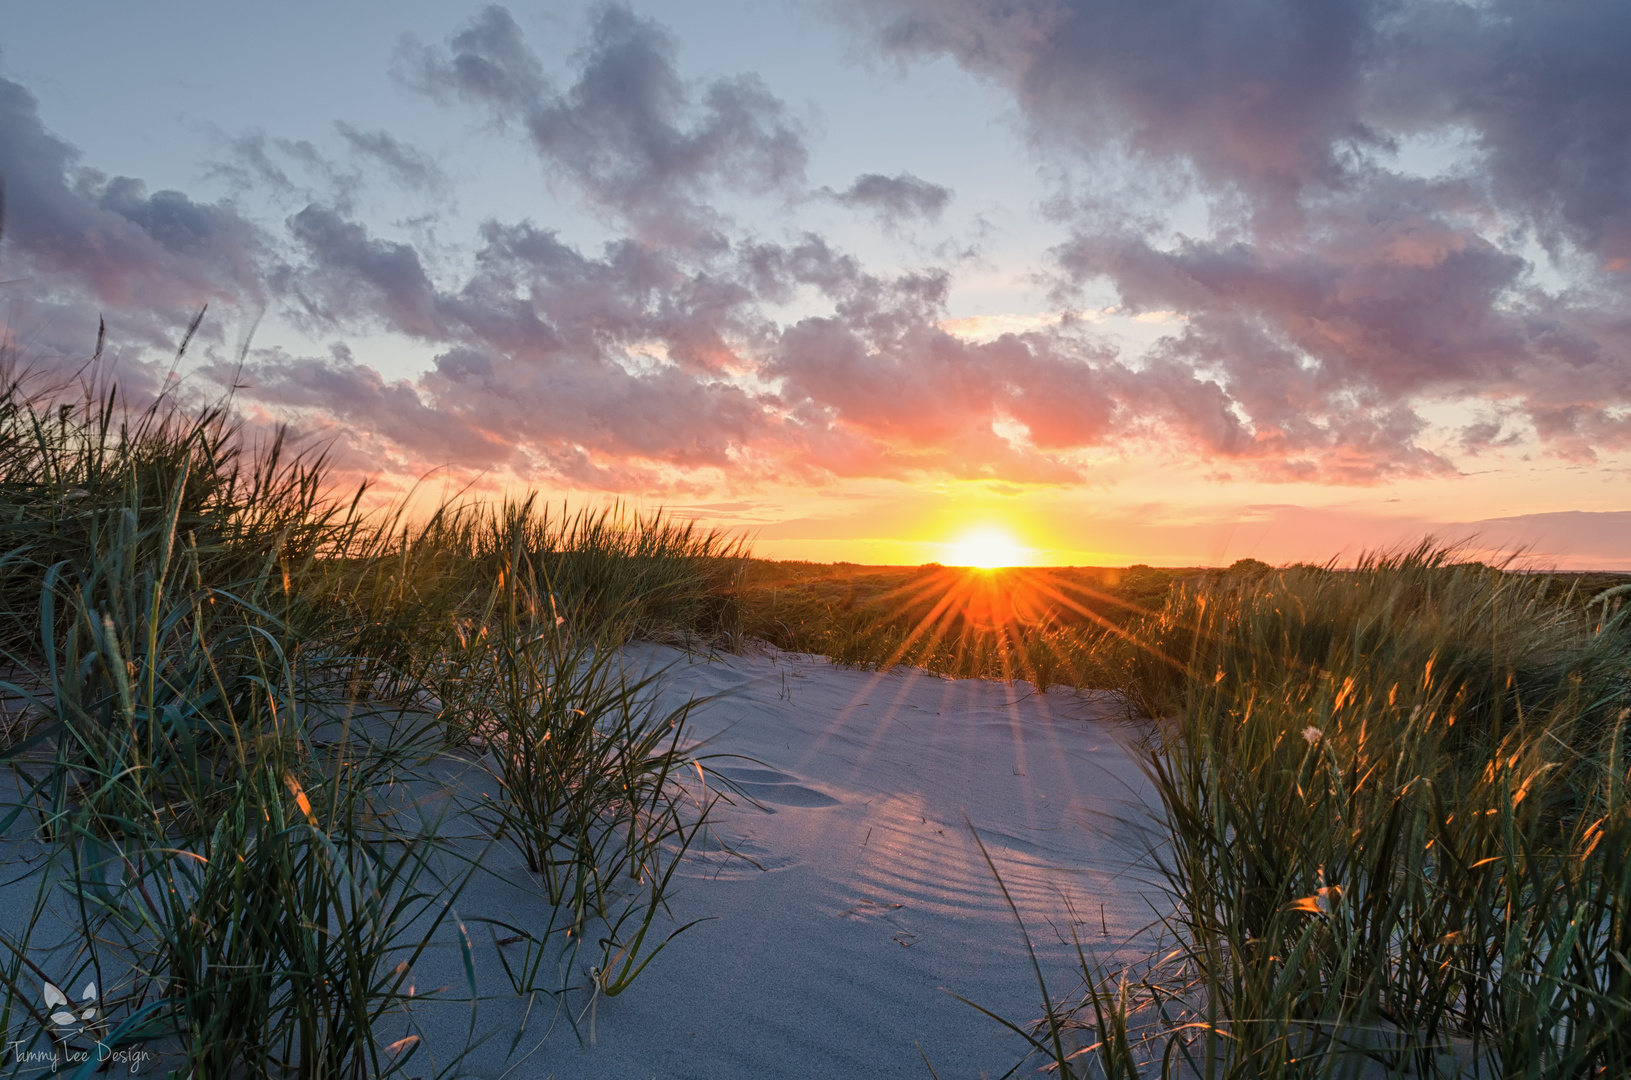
233,700
77,467
585,763
164,760
1398,835
407,592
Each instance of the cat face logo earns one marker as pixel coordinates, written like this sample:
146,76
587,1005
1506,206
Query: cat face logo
70,1018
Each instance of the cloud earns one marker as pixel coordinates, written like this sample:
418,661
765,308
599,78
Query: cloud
81,243
636,139
1332,301
654,366
1256,94
298,171
1269,101
1574,538
539,351
403,162
641,368
1341,287
336,395
354,278
1545,94
893,198
1377,309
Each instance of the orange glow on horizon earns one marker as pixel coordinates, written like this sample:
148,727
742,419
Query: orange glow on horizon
958,612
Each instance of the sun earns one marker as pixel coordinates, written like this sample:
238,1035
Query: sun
987,547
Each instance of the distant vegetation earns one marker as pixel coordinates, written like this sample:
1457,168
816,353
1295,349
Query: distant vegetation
1042,625
1088,627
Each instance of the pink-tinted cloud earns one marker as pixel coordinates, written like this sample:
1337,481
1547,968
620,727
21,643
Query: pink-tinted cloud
1338,294
79,245
1335,340
1334,300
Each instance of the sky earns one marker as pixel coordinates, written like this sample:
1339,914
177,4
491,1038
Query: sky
1176,283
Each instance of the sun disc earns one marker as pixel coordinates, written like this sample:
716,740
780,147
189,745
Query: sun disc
987,548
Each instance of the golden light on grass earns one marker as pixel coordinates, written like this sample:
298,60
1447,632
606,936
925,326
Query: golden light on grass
987,547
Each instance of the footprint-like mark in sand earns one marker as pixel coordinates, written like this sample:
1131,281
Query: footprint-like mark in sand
734,857
777,788
887,912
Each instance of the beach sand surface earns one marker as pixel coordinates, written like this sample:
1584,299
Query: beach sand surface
845,898
836,951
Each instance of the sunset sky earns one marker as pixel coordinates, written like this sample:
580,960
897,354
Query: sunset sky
1169,282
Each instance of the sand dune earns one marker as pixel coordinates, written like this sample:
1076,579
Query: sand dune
846,900
830,954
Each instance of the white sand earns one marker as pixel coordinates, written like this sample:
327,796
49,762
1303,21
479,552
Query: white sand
873,901
833,955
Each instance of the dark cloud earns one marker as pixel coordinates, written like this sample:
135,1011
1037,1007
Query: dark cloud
1544,91
636,138
1269,100
354,278
894,198
80,247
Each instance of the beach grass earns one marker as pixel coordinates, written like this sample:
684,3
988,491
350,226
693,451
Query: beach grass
1397,838
222,677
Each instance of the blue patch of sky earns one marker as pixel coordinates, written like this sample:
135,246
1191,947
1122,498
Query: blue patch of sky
161,90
